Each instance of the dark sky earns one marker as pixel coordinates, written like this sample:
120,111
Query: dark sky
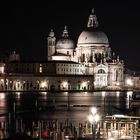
24,27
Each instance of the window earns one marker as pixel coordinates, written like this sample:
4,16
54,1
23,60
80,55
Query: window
67,52
79,87
40,69
101,71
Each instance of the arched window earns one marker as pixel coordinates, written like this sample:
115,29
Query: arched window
83,57
101,71
67,52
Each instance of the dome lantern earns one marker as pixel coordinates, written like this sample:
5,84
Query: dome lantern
65,32
92,21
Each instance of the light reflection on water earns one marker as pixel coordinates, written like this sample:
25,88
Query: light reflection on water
2,96
3,103
128,98
40,105
30,106
24,100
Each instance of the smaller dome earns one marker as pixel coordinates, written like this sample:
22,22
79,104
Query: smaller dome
51,34
65,43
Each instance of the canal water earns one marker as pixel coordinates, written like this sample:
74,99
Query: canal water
25,108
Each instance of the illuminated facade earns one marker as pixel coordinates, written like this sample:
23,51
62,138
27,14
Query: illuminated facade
88,65
92,52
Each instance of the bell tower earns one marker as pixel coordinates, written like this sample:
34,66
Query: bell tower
51,44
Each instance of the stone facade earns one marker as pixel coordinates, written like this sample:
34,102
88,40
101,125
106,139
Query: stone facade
89,65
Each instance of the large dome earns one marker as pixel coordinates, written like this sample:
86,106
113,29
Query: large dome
65,43
92,37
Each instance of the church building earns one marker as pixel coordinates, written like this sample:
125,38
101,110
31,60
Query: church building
92,52
88,64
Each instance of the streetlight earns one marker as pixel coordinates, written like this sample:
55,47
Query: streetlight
93,119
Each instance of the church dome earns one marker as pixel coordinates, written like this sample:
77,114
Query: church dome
51,34
65,42
92,37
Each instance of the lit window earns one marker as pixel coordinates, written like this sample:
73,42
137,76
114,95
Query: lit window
2,69
43,85
65,84
129,82
40,69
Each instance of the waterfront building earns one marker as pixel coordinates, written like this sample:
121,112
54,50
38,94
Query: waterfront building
92,52
90,64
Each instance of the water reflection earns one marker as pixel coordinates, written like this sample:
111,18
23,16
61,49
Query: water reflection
3,116
18,95
64,105
128,99
77,100
2,103
2,96
103,93
85,93
118,94
2,100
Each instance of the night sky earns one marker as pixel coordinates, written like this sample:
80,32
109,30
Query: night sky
24,28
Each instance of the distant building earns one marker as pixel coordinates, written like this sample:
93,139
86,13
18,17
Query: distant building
13,56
